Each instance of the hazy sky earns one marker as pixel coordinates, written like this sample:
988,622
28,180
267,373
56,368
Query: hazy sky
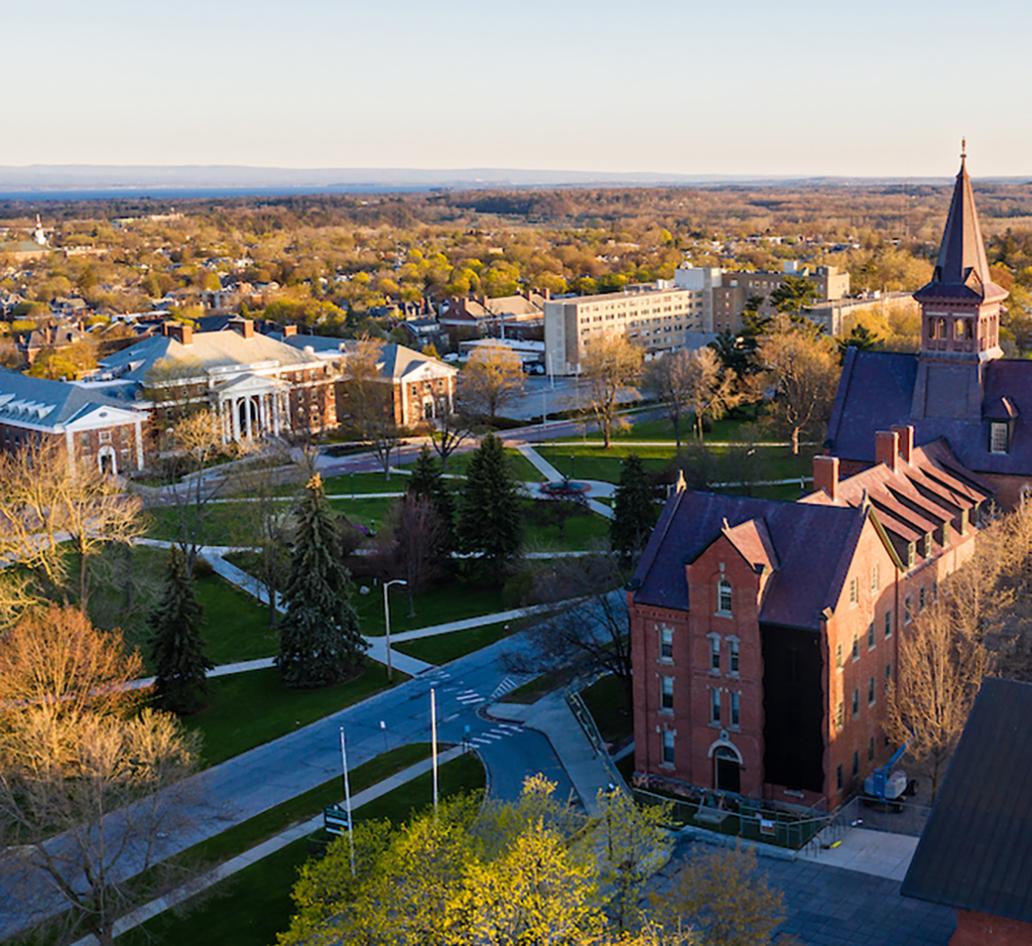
865,87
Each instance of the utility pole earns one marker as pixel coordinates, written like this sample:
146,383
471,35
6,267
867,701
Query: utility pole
347,798
433,740
387,621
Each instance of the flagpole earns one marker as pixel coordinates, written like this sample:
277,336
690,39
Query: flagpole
347,798
433,739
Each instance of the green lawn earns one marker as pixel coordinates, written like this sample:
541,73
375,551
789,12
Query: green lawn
443,648
247,709
609,703
365,483
249,908
451,601
660,428
458,463
224,523
585,530
236,626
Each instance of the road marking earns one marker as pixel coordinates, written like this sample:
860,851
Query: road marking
476,740
511,726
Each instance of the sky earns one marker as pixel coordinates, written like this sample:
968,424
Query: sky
672,86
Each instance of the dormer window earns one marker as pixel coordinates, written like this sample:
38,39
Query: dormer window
928,545
912,554
999,437
723,596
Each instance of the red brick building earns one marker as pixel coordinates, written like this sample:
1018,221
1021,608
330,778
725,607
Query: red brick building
958,387
763,632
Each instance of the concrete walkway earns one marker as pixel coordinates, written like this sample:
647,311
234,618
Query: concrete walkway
552,716
880,853
269,846
553,475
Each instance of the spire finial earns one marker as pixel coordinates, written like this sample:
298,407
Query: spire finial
963,149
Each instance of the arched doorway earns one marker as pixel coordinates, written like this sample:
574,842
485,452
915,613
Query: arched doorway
107,461
726,770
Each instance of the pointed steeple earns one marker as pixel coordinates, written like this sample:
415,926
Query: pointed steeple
962,270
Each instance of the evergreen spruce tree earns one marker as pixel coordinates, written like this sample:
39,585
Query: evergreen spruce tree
634,512
319,639
489,513
427,482
177,649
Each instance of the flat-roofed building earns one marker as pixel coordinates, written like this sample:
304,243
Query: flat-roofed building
655,316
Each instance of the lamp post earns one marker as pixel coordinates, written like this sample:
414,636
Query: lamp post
387,620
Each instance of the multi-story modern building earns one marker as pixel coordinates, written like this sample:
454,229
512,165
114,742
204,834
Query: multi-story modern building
725,294
958,386
655,316
763,633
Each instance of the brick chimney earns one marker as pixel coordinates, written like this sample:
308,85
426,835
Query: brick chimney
906,441
244,326
826,475
178,331
289,331
886,448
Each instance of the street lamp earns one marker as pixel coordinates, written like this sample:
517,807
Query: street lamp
387,620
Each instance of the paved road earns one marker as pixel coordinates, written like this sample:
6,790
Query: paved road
268,775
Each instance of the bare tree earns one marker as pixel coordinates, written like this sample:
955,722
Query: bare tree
452,427
368,403
85,773
47,500
939,673
610,365
692,382
410,546
724,898
493,376
800,369
591,632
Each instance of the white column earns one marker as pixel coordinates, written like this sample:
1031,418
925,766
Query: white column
247,416
274,400
139,444
263,424
236,418
70,449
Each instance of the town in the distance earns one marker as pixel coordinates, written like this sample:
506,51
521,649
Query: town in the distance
576,566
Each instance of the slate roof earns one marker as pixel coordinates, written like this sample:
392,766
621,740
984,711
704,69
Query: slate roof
207,350
395,360
811,545
40,402
961,270
975,852
875,393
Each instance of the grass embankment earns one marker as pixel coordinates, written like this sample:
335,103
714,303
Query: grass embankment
609,703
249,908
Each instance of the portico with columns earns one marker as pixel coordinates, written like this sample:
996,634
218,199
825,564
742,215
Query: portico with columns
253,406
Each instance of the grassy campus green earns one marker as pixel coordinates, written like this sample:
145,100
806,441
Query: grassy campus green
458,465
247,709
443,648
249,908
609,703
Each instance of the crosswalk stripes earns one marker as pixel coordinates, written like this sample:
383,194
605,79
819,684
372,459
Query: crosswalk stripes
490,737
506,686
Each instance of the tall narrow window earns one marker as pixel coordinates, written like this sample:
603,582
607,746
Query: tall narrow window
911,554
856,647
874,578
736,707
733,648
840,715
856,764
908,609
856,703
854,592
870,691
666,643
999,438
668,747
921,598
927,551
714,709
714,653
724,602
666,693
888,623
870,636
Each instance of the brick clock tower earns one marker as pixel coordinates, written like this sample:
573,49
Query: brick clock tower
960,316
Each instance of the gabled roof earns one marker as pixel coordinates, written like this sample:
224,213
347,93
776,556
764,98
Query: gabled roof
810,544
39,402
395,361
207,351
975,852
962,270
753,542
876,390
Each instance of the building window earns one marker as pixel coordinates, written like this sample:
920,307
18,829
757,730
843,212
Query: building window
838,655
874,578
856,764
838,777
714,709
908,609
840,715
920,599
854,594
105,436
888,623
999,438
668,747
911,554
736,708
870,692
928,545
870,636
856,702
856,647
714,653
666,643
724,596
888,675
666,693
733,646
